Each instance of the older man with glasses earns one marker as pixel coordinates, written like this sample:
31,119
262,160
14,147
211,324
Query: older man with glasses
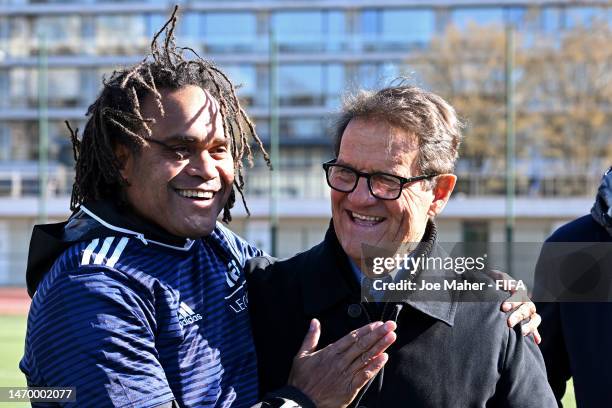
395,153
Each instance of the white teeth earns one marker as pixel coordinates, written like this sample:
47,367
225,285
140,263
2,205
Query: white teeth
366,217
195,193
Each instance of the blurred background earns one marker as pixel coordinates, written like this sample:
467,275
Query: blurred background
531,79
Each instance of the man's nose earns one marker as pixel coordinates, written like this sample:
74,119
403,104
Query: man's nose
203,165
361,195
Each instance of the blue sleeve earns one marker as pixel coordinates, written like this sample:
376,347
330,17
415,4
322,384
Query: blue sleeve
241,248
91,331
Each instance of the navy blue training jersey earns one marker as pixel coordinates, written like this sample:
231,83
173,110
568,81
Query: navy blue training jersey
134,323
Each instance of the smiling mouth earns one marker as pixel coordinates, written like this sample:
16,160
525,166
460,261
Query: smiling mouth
364,220
195,194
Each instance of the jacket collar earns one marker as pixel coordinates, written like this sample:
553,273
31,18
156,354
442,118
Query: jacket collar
123,220
330,281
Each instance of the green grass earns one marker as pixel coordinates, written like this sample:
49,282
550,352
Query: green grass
12,334
569,399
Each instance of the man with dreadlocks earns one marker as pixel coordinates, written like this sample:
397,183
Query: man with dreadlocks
139,298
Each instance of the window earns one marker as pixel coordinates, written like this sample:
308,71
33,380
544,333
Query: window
60,146
230,32
15,37
550,20
375,76
475,238
4,87
335,29
295,129
91,83
298,31
407,29
262,127
394,30
121,35
300,85
516,16
4,30
370,22
23,140
5,141
302,128
153,22
367,77
390,71
18,87
244,78
63,87
190,28
583,16
62,34
262,97
334,84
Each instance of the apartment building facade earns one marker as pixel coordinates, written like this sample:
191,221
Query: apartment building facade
53,55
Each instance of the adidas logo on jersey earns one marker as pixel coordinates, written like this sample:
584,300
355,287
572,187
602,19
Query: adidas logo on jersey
187,316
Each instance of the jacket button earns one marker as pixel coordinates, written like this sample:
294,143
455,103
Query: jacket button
354,310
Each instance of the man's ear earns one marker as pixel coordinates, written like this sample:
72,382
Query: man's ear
124,157
444,185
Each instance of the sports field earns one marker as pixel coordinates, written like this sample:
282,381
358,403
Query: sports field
12,333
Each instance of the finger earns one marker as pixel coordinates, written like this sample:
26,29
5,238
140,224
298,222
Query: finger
356,335
364,358
532,326
311,339
525,311
364,344
515,301
367,372
537,337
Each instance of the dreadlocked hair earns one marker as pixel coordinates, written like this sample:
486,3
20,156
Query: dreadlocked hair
115,118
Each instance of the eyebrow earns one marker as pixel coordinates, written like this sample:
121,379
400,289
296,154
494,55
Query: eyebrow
369,171
342,163
179,137
183,138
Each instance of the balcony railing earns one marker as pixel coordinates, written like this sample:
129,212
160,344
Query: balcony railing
309,182
105,45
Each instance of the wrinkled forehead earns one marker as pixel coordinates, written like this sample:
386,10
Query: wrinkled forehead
378,140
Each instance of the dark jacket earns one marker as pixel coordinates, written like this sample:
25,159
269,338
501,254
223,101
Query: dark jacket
577,336
448,353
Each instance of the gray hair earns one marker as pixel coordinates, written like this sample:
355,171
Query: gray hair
428,116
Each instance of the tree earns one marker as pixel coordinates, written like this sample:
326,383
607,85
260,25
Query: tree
563,95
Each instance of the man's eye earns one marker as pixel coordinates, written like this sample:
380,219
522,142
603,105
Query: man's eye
219,149
181,152
343,174
387,182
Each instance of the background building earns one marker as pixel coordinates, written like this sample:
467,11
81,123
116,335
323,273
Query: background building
54,53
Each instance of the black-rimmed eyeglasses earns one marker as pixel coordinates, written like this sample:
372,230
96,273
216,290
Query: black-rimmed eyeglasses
382,185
